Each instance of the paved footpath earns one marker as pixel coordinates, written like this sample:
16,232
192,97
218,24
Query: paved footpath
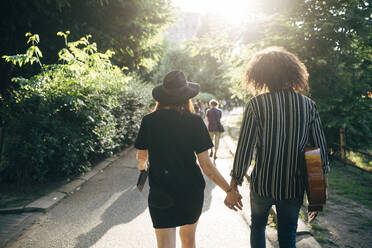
108,211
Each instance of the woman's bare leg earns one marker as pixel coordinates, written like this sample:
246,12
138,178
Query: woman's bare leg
166,237
187,234
217,138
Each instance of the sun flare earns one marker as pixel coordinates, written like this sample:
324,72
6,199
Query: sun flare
234,11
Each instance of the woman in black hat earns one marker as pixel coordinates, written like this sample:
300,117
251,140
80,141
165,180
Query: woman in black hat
170,137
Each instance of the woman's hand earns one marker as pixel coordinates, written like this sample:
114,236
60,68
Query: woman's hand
233,200
142,167
142,159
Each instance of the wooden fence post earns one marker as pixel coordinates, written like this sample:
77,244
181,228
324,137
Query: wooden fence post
342,143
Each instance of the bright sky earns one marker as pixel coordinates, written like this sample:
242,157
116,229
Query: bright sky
234,11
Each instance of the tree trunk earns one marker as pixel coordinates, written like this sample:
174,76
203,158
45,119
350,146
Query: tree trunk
342,143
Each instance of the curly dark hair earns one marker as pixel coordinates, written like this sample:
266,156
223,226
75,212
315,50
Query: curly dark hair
273,69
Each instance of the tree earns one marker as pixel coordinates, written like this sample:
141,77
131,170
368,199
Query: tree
333,39
128,27
65,118
200,67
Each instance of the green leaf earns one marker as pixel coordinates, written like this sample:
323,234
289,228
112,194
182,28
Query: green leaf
129,51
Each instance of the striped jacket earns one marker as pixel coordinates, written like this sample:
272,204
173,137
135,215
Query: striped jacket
279,125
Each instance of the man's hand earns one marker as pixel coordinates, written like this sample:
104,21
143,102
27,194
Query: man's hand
311,216
233,200
233,184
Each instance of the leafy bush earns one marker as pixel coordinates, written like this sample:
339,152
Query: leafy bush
204,97
199,66
71,114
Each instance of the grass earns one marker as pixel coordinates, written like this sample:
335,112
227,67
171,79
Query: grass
360,160
318,228
355,213
351,183
347,182
320,238
367,224
320,234
325,211
302,216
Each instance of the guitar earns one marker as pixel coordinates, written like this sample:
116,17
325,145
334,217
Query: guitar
315,186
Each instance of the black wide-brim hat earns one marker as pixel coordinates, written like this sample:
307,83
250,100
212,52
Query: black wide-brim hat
175,89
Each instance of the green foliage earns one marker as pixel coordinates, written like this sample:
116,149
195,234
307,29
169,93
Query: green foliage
130,28
33,53
204,97
351,183
360,160
213,58
334,40
200,67
73,113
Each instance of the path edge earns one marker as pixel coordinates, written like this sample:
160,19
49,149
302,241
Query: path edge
45,203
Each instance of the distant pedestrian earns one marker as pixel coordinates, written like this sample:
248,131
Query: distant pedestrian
215,127
200,108
169,138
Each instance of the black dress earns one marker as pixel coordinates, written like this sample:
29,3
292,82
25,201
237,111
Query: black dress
176,183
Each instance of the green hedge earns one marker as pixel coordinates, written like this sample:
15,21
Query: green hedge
72,114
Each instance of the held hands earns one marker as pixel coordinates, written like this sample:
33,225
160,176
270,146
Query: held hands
233,200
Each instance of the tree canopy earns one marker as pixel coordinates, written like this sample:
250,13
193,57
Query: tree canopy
128,27
334,40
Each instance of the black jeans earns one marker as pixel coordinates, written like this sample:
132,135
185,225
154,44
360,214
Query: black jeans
287,211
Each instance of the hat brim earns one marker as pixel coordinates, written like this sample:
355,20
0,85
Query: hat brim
176,96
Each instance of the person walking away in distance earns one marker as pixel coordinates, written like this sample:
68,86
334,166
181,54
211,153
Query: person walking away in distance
214,115
279,122
169,138
201,108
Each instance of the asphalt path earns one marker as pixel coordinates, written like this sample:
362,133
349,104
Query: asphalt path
109,211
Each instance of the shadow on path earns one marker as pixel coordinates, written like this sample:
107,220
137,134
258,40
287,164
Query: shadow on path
128,205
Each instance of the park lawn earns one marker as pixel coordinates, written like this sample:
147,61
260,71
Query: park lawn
351,183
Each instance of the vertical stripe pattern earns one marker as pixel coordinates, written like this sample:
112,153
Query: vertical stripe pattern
279,125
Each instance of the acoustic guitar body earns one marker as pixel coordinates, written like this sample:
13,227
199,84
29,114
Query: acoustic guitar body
315,186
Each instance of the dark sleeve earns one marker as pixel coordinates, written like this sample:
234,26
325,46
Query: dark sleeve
201,141
141,142
318,139
246,144
208,114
